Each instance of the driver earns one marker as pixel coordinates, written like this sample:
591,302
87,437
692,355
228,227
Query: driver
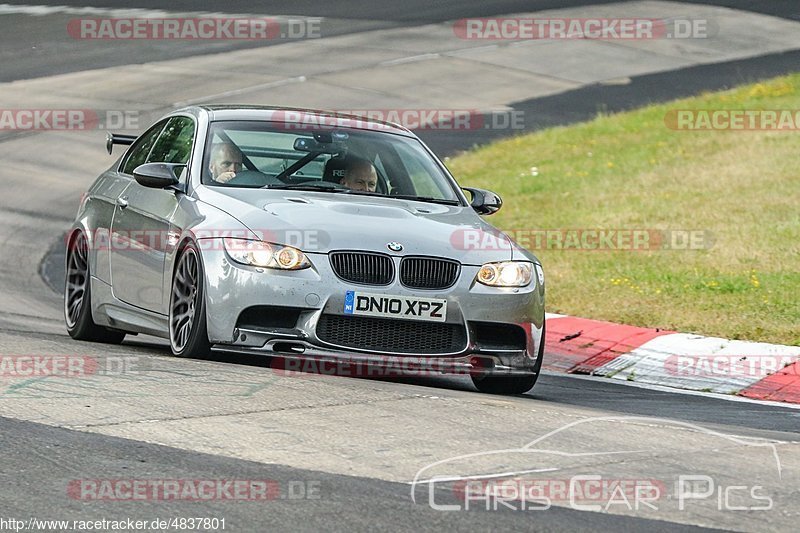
359,175
226,161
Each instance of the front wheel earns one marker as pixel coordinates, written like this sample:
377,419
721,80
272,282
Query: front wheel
78,297
512,384
188,336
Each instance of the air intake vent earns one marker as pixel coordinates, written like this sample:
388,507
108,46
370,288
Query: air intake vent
393,336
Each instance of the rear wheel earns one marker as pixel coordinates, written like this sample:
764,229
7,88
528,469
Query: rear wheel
188,336
78,297
511,384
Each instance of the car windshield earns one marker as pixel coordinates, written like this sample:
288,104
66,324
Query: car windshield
257,154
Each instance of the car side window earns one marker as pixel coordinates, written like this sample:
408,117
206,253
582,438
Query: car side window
175,142
141,149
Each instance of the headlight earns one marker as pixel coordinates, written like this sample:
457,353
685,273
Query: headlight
506,274
539,274
265,254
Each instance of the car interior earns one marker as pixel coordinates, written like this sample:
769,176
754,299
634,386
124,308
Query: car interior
277,159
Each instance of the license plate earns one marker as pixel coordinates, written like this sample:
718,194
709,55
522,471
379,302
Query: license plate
388,306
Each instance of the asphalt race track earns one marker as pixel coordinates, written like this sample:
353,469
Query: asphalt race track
342,453
28,46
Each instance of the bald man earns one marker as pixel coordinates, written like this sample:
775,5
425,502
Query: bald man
226,161
360,175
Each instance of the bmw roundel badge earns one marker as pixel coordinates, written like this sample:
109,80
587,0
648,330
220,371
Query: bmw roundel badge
394,246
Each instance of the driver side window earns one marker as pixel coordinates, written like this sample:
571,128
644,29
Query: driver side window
167,142
141,149
175,143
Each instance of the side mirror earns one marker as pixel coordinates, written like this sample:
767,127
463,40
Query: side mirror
483,201
157,175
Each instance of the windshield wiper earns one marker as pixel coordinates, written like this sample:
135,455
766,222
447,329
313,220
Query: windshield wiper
324,186
314,186
425,199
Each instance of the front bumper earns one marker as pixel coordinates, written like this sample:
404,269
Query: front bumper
231,288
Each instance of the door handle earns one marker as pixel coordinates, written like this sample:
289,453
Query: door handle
122,202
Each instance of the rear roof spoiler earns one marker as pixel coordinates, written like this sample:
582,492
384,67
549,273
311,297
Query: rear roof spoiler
118,138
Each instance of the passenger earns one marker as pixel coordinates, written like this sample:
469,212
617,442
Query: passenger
226,161
360,175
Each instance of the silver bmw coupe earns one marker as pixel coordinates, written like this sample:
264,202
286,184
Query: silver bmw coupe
302,235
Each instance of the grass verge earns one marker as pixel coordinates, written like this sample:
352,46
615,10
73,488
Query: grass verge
739,191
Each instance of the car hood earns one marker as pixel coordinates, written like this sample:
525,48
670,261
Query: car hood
321,222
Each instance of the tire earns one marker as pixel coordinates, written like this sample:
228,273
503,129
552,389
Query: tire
188,334
511,384
78,297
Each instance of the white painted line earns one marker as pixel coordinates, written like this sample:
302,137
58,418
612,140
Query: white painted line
268,85
409,59
41,11
460,51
